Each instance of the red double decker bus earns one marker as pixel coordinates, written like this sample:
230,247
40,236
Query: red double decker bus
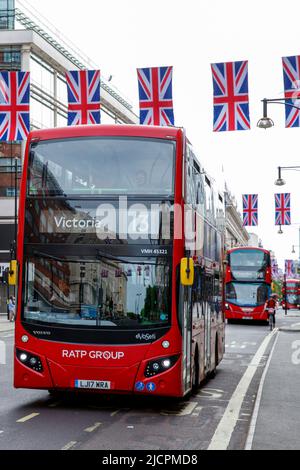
291,294
248,282
113,295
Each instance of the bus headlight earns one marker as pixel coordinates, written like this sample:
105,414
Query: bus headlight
23,357
157,366
30,360
227,306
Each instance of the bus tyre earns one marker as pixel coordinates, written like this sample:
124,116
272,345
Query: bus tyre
55,393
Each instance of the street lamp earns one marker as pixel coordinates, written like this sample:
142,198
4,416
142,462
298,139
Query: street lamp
280,181
280,231
298,246
265,122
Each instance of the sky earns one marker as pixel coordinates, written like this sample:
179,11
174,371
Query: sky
122,35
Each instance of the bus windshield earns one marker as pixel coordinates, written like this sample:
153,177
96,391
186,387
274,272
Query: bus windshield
247,295
248,264
292,298
128,293
101,166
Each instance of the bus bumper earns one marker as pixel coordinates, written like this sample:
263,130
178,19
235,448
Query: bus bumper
124,380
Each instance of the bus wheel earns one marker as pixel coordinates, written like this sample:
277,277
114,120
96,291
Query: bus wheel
55,394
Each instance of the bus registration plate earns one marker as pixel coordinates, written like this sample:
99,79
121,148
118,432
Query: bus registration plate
247,318
93,384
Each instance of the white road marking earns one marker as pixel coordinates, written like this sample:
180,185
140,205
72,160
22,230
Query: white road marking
69,445
27,418
114,413
242,345
223,433
1,432
211,393
197,411
93,428
252,426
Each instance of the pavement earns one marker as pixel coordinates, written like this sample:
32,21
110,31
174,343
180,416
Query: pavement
276,419
5,325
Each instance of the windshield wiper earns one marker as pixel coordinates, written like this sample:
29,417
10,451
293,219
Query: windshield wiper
103,254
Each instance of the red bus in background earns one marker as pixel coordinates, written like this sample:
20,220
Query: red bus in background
96,310
247,283
291,294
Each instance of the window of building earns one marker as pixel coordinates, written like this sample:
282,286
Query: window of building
10,58
8,152
7,14
42,75
42,116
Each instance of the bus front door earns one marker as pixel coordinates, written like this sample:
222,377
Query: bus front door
207,321
186,322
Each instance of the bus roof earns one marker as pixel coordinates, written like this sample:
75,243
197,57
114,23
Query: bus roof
248,248
160,132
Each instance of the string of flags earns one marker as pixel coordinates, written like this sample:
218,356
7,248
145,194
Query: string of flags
282,209
291,269
230,99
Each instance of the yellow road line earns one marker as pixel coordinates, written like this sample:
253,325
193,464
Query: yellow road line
27,418
93,428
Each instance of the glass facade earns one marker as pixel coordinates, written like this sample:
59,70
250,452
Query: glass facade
7,14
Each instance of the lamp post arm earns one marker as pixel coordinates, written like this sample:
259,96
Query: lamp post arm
286,104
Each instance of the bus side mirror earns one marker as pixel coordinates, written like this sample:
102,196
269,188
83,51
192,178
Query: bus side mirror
12,274
187,271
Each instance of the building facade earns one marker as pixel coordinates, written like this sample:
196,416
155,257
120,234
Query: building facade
27,45
235,233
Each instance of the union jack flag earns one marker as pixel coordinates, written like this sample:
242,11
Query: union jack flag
291,78
155,92
289,267
83,97
250,209
231,99
14,105
283,209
